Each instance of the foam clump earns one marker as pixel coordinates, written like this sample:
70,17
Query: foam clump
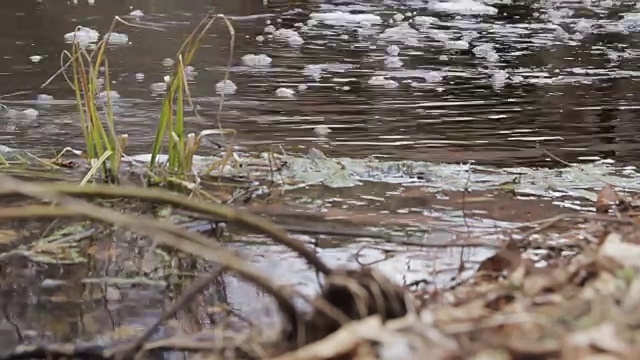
403,32
393,50
284,92
44,98
253,60
339,18
393,62
111,95
462,7
136,14
382,81
292,36
226,87
486,51
83,35
117,38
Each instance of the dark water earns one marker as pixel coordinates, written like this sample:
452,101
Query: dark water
572,98
574,92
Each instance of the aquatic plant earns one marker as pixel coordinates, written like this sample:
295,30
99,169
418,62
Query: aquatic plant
103,145
171,125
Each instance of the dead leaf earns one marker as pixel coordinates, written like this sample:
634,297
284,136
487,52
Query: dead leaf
603,337
507,259
607,198
7,236
623,253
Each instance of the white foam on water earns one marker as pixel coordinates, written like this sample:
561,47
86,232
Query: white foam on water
402,33
226,87
284,92
393,62
393,50
462,7
340,18
253,60
83,35
382,81
117,38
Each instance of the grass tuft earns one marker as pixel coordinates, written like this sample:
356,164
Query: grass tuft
171,125
104,146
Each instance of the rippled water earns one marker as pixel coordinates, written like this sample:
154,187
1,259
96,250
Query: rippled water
492,82
571,77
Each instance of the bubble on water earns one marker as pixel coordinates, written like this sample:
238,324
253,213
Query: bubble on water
226,87
398,17
402,33
302,87
136,14
322,130
268,22
344,37
168,62
583,26
462,7
295,41
278,20
313,70
456,44
292,36
312,22
269,29
382,81
117,38
486,51
158,88
109,95
35,58
432,76
393,62
284,92
253,60
424,21
339,18
190,72
91,2
139,77
469,35
259,38
556,16
83,36
439,35
443,57
517,79
44,98
393,50
30,114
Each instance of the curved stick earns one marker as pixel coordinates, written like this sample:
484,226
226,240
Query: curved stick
228,213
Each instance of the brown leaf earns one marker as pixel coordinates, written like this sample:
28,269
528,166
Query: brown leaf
607,198
507,259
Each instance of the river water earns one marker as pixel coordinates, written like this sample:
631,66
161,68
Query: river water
489,83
